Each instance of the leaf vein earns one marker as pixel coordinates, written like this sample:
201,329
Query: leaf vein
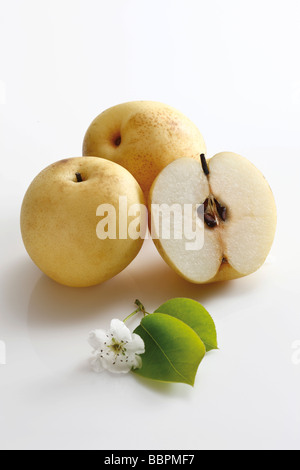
172,365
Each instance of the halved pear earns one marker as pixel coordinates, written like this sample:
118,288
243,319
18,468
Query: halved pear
237,222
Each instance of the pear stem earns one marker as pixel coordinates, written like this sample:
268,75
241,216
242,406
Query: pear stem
204,164
79,177
140,308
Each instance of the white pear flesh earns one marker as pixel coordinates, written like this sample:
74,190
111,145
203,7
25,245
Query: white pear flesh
237,246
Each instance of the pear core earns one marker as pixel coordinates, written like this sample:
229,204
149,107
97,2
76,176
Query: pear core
237,236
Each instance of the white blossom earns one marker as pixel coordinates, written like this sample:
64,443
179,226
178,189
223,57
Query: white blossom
116,350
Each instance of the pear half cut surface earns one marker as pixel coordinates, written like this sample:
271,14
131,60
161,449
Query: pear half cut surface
233,212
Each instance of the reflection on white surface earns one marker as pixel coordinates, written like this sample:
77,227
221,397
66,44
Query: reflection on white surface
2,92
60,318
233,68
2,353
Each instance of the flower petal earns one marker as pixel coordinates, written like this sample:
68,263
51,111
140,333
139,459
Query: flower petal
97,338
138,362
96,364
108,358
136,346
119,331
118,367
113,359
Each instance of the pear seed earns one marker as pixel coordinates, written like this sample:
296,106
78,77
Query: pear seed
222,211
210,220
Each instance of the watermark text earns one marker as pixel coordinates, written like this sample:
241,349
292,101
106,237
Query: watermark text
168,222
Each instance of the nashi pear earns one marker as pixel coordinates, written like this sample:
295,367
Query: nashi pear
143,137
59,221
239,217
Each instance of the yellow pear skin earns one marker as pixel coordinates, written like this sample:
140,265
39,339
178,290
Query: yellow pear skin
59,222
143,137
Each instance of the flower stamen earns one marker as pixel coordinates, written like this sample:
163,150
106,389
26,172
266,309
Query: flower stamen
117,350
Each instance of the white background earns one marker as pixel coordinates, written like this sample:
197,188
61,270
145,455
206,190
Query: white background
233,67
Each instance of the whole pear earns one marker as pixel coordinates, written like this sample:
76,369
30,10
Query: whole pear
59,220
143,137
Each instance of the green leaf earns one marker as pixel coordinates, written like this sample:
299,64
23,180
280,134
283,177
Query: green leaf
173,349
193,314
